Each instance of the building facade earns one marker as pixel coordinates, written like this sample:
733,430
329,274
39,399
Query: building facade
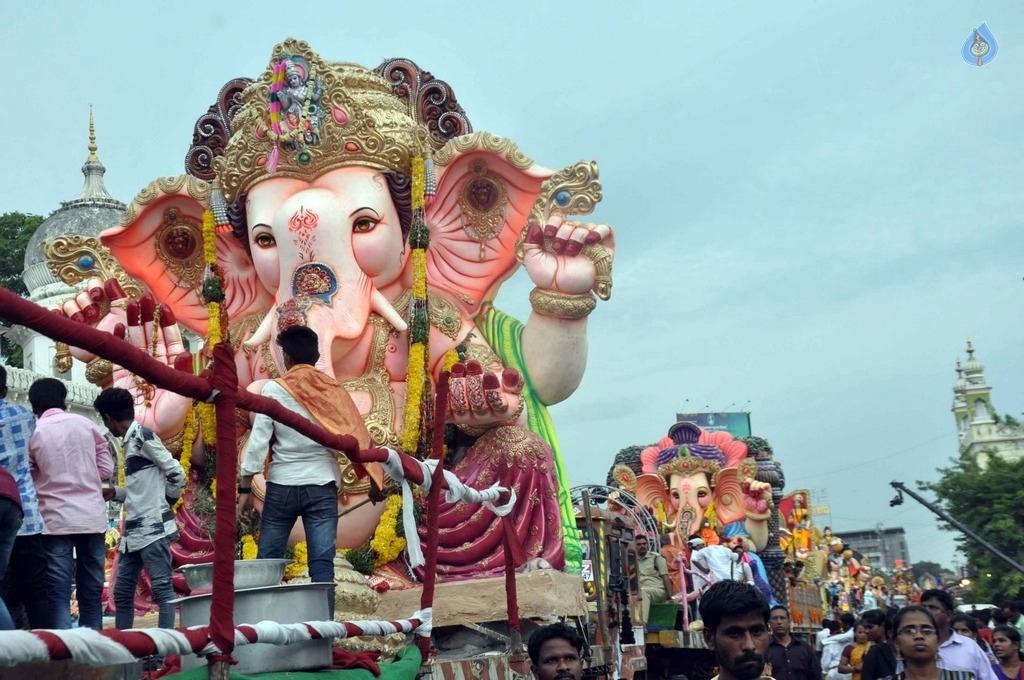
881,547
981,429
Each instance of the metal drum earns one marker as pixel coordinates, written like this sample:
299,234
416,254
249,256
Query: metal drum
284,604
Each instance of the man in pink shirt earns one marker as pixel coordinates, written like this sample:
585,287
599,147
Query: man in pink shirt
70,459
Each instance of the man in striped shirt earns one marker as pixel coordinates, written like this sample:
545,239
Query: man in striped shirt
153,482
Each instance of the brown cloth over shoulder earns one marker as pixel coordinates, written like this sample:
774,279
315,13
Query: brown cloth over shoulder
332,408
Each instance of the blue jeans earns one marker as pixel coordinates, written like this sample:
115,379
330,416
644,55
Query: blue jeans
318,508
10,522
156,558
61,552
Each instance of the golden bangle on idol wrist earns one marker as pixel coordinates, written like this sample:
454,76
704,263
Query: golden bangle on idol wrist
568,306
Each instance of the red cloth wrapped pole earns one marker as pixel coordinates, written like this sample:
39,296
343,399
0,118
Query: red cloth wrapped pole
222,625
513,558
58,327
433,504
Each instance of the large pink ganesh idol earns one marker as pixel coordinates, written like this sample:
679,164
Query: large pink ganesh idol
315,161
701,483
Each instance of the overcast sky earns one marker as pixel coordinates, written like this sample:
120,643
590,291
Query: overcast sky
814,207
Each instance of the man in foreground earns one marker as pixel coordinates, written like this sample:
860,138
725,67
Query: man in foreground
70,460
302,476
556,653
789,657
735,618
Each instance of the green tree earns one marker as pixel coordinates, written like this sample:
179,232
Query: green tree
15,231
988,499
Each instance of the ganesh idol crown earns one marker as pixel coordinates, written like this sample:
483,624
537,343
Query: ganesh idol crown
304,117
360,203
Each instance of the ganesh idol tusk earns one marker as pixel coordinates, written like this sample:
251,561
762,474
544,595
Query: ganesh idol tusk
386,310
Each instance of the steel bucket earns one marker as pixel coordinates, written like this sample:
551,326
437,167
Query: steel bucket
285,604
248,574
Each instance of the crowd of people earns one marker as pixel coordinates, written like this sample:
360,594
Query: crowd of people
57,474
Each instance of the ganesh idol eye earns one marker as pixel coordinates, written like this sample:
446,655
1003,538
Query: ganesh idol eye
264,239
702,493
364,224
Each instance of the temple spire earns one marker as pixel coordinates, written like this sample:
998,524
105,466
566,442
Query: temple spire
93,170
93,158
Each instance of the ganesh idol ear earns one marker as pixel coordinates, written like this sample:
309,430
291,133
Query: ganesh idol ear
486,188
160,243
652,494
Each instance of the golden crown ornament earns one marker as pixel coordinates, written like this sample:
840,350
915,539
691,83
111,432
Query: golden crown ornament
304,117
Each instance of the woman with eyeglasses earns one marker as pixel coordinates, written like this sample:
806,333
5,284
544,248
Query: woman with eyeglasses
917,644
1006,647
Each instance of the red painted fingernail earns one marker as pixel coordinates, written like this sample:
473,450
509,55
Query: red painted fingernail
134,312
119,331
511,378
558,245
91,312
491,381
459,370
574,248
166,316
473,367
534,235
58,311
79,317
96,294
593,237
550,230
148,305
183,362
113,289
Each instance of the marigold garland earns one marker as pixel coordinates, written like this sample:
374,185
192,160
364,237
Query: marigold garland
419,319
188,440
249,547
386,542
299,563
411,431
451,358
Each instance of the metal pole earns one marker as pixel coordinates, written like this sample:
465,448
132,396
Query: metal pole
597,558
960,525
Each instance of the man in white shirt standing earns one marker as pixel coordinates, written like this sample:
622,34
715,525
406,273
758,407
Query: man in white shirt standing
832,648
302,476
956,652
826,630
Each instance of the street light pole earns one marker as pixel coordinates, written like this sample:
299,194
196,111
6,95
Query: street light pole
901,488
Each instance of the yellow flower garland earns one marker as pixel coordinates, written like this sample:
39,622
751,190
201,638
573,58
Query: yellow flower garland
411,432
386,542
419,330
209,238
187,442
299,563
249,548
